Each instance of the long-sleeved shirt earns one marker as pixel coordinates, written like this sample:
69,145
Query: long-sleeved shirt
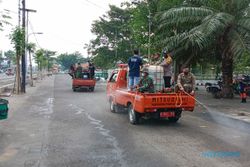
167,66
184,81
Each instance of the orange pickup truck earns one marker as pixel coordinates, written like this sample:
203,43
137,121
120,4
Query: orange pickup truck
155,105
83,83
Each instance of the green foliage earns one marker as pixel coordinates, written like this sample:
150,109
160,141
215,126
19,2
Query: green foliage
66,60
10,56
31,47
242,64
113,40
44,59
17,39
205,26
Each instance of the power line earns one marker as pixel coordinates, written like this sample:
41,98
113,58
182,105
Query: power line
96,5
33,32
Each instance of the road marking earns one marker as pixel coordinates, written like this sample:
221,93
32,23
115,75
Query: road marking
203,126
104,132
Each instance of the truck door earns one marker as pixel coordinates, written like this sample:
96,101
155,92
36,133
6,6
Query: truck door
112,84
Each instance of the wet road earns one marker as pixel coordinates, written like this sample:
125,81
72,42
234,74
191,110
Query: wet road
56,127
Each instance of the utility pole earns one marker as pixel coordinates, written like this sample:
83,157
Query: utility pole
25,29
23,84
149,32
27,41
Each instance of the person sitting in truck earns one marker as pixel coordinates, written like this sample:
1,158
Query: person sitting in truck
79,70
186,81
134,63
146,83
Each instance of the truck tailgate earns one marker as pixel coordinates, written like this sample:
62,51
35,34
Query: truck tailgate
83,82
172,100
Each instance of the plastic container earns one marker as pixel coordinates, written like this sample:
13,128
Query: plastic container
3,109
157,73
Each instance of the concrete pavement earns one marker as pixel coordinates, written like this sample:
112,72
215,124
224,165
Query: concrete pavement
52,126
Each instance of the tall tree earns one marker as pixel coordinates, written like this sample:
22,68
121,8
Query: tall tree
66,60
205,25
113,40
31,49
17,39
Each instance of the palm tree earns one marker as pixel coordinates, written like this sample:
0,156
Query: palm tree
31,49
221,25
39,58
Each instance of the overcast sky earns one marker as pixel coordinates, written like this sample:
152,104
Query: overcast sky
65,24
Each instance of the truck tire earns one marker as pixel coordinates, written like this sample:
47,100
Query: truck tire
177,116
74,89
133,116
112,106
173,119
92,89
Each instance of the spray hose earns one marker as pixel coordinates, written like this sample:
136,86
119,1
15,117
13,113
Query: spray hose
178,97
193,98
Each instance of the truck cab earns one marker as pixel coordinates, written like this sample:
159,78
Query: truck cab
158,105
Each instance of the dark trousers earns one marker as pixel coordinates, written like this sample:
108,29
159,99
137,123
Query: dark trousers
167,81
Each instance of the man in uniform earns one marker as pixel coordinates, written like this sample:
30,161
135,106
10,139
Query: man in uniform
79,70
146,83
186,81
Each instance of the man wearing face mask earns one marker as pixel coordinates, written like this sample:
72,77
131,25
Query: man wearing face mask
186,81
146,83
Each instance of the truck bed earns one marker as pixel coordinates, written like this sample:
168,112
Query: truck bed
148,102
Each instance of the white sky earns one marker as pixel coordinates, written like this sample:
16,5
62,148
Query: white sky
65,24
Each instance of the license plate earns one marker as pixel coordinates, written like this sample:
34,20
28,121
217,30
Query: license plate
167,114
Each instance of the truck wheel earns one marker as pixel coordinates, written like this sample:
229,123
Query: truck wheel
173,119
177,116
74,89
133,115
92,89
112,106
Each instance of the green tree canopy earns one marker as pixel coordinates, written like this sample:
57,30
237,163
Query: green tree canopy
66,59
201,26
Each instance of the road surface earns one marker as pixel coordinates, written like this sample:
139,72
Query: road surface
52,126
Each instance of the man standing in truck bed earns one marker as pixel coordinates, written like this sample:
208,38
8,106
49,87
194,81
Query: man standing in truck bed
134,63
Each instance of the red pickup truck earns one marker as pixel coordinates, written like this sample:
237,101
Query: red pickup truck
83,83
155,105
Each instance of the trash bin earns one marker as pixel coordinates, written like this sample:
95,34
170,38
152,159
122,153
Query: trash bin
3,109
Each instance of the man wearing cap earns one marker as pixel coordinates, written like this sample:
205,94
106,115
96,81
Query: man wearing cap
146,83
186,81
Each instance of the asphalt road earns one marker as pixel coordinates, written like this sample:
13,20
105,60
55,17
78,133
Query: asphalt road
56,127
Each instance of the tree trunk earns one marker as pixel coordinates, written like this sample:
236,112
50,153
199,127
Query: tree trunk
31,75
18,78
227,75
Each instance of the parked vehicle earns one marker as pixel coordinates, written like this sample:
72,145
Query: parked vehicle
157,105
9,72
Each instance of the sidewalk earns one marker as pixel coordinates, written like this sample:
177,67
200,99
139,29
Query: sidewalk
16,100
232,108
